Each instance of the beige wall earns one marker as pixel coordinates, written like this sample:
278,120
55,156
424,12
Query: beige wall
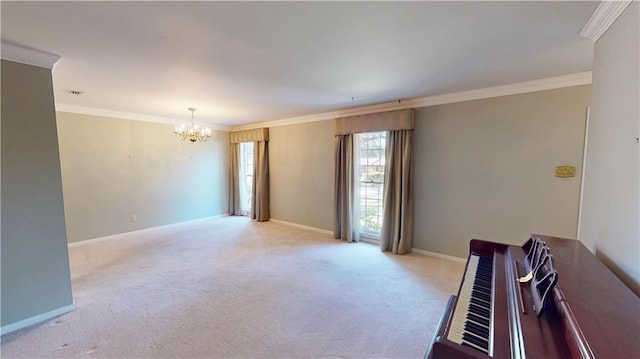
35,261
610,223
115,168
485,169
301,160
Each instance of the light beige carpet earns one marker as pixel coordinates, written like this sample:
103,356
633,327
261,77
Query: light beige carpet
232,288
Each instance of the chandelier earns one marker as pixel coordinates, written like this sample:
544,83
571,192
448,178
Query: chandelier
192,134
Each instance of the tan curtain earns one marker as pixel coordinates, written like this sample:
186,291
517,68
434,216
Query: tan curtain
346,218
260,199
260,185
344,226
397,225
234,181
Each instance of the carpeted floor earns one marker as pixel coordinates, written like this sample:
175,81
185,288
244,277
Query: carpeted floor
232,288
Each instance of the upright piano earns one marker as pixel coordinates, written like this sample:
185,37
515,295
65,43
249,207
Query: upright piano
550,298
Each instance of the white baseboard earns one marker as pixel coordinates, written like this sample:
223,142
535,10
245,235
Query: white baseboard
36,319
370,241
438,255
301,226
101,239
275,220
413,250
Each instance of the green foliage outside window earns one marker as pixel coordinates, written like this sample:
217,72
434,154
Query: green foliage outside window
371,219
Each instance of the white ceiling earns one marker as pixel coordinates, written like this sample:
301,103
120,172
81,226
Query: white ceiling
246,62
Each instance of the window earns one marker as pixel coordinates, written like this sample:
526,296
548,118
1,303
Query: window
370,155
246,177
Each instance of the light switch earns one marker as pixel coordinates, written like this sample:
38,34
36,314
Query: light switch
565,171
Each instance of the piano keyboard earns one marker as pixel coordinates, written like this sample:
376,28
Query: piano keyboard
472,323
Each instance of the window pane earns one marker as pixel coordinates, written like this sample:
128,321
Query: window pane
372,155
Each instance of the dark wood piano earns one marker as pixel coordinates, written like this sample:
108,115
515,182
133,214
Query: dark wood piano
550,298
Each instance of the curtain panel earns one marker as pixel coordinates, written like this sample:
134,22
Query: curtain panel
234,180
260,200
397,224
344,206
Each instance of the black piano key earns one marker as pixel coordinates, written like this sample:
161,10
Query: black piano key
478,319
483,312
480,291
478,311
478,335
475,340
472,337
475,310
482,284
485,261
479,302
481,288
470,321
484,296
477,329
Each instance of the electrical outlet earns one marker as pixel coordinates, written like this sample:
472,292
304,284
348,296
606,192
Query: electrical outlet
133,218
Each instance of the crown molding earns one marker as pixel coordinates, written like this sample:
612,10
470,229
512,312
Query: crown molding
605,15
577,79
550,83
92,111
28,56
